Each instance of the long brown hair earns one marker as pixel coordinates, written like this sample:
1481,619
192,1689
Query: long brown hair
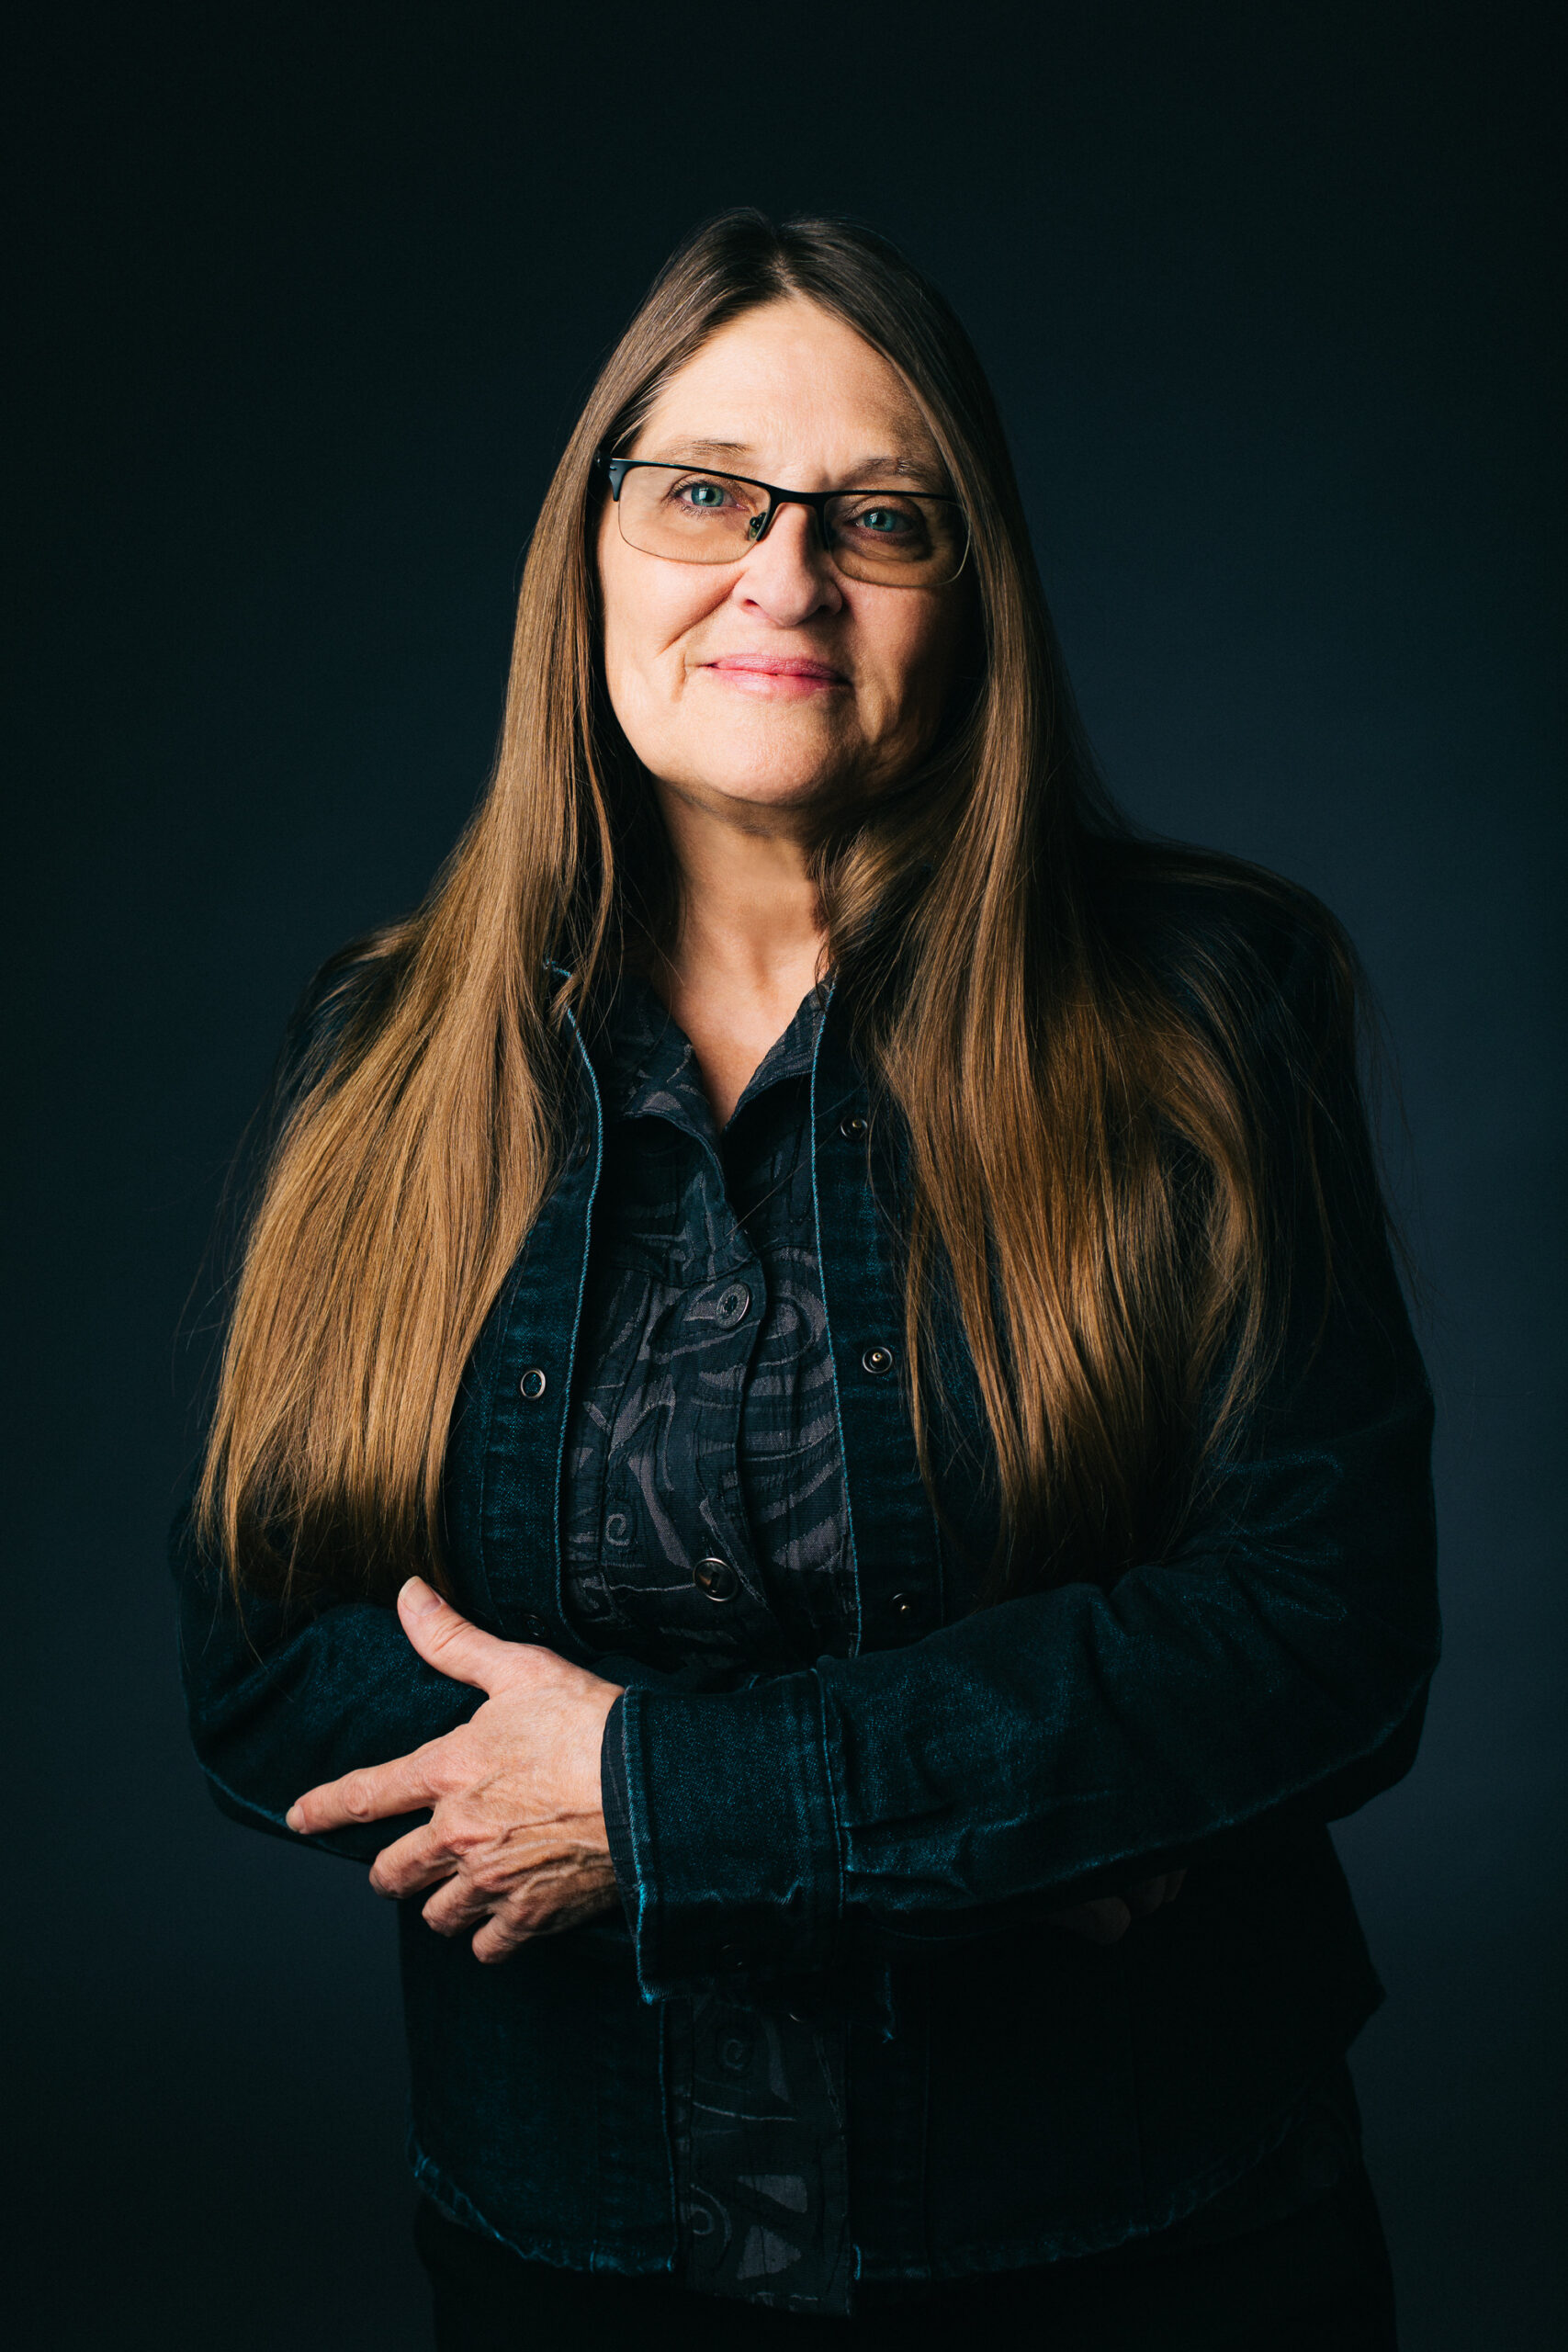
1086,1181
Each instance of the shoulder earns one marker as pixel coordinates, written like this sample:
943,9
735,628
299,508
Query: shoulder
339,1008
1252,957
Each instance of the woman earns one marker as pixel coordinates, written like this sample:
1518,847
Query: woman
818,1457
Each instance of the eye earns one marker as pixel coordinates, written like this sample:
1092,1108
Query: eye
901,528
701,494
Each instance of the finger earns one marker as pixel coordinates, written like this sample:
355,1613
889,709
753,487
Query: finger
1104,1921
378,1792
454,1905
419,1860
1147,1897
499,1937
447,1642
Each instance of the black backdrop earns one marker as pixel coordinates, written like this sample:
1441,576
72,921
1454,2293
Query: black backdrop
308,296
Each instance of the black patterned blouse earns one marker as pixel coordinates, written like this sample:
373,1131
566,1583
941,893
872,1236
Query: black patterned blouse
705,1527
703,1514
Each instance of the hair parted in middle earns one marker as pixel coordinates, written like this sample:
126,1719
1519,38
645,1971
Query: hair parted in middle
1087,1178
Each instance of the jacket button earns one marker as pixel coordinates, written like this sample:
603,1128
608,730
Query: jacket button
717,1579
902,1604
852,1125
533,1624
877,1360
533,1384
730,1957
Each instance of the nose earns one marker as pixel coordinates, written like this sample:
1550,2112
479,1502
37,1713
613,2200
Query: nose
787,575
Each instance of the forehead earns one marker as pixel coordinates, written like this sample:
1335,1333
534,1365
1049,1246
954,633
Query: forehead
788,386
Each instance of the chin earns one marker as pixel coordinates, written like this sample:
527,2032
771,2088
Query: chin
765,780
753,792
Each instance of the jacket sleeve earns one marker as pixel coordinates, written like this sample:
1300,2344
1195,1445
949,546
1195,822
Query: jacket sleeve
280,1701
1269,1670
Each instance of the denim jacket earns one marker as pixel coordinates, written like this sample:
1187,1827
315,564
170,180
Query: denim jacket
871,1845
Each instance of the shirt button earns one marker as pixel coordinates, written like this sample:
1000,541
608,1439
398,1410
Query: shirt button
733,1304
533,1384
877,1360
734,2053
852,1125
717,1579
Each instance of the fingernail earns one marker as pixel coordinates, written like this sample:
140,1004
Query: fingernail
291,1818
419,1597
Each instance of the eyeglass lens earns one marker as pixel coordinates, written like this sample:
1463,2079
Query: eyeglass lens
891,536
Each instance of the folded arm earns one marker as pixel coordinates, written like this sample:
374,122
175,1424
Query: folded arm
278,1701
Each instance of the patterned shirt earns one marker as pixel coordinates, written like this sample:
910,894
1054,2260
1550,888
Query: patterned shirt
705,1527
704,1518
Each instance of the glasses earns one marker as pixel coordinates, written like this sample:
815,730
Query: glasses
899,538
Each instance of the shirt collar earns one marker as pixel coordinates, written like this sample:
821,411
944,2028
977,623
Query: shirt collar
651,1070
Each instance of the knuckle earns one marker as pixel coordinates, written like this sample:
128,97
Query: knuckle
356,1797
450,1772
461,1836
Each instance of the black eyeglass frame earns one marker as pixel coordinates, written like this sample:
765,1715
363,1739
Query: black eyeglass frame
616,470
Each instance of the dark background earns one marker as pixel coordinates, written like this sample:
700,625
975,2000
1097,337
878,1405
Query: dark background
308,298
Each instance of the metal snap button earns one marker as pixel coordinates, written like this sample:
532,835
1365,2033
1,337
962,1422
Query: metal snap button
735,2053
532,1383
852,1125
733,1304
902,1604
877,1360
717,1579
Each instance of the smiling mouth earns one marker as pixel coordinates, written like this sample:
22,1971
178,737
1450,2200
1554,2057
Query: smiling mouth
783,672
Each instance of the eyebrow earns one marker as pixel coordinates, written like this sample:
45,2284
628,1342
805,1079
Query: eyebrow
909,468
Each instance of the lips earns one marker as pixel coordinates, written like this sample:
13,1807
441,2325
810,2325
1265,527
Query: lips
781,670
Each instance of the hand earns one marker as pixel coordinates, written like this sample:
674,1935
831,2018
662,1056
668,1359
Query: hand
1107,1920
516,1836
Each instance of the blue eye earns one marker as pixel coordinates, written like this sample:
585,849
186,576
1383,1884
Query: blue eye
885,521
705,494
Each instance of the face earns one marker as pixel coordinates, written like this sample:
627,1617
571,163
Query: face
774,683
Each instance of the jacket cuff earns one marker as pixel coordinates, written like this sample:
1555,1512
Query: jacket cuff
734,1834
617,1816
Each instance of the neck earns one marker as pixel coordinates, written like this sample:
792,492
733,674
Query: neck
750,941
749,915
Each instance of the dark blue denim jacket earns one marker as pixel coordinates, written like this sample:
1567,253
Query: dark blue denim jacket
875,1841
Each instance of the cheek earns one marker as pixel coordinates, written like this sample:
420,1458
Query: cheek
648,610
